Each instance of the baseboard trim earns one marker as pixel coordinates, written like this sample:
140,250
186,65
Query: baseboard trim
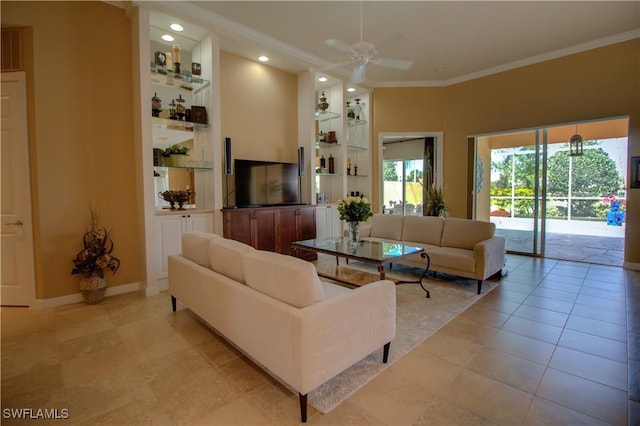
631,266
77,297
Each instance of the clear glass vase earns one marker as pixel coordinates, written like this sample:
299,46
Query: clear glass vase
354,234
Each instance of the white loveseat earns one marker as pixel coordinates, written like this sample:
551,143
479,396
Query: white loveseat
274,308
462,247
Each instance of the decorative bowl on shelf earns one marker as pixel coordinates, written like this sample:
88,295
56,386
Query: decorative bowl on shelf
179,197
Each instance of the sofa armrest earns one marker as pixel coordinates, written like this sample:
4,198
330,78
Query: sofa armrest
332,335
489,256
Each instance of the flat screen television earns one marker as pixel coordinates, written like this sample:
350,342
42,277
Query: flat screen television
265,183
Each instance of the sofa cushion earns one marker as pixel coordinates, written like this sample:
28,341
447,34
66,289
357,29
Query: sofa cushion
195,247
226,256
286,278
465,233
454,259
387,226
422,229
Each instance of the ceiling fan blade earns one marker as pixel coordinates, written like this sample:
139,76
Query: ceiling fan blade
332,66
357,76
400,64
340,45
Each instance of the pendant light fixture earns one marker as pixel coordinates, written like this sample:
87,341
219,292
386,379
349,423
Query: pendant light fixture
575,144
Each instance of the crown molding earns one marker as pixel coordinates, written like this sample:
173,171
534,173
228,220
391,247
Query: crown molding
555,54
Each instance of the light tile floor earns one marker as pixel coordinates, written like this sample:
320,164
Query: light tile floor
556,343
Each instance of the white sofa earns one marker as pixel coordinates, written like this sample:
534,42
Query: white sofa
274,308
462,247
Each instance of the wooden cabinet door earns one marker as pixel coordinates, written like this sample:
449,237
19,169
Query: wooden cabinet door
287,229
237,225
306,230
264,229
306,223
272,229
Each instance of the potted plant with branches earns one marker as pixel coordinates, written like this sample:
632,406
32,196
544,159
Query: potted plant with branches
434,201
93,260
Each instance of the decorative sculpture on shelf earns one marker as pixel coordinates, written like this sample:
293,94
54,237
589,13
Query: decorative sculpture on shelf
323,105
176,59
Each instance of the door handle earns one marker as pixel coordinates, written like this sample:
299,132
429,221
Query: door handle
16,223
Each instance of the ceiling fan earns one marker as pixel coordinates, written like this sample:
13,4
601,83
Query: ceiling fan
363,53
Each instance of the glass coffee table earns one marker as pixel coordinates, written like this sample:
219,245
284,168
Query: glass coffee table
375,252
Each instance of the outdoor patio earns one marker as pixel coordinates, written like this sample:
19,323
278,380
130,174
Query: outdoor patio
592,242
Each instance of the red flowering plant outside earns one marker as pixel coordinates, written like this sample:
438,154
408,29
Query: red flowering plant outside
614,201
96,255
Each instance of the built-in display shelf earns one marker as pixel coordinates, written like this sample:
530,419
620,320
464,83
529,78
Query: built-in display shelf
322,144
186,166
181,125
357,148
326,115
166,78
352,122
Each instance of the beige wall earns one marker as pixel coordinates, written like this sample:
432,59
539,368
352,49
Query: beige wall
413,109
81,130
259,108
599,83
259,111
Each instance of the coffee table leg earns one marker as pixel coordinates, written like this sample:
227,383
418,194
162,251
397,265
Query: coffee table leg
424,273
381,270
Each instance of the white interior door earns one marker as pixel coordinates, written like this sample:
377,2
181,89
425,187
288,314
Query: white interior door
17,273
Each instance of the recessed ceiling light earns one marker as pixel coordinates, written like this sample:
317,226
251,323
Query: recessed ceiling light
322,79
351,89
263,58
167,37
177,27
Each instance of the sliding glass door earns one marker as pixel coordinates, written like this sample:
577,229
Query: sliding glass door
547,202
408,169
402,191
514,201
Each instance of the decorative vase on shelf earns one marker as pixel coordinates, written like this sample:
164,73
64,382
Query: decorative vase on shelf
358,109
93,289
354,234
323,105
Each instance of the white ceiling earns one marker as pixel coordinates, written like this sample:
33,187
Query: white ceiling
449,41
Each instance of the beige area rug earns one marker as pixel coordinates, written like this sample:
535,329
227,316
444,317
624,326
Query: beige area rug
416,319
